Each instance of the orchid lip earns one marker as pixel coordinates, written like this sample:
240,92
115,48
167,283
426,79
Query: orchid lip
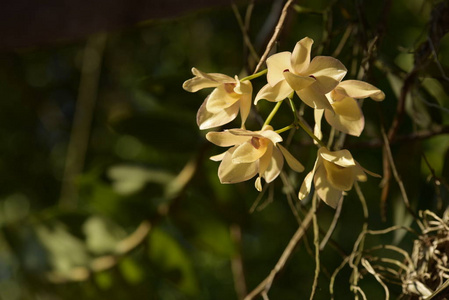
255,142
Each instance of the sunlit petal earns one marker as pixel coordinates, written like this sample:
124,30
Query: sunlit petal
218,157
228,172
206,119
265,160
342,158
328,72
271,135
341,178
359,173
347,116
324,189
298,82
226,138
250,151
205,80
275,167
243,87
314,98
342,124
245,107
277,64
359,89
306,186
318,115
275,93
300,58
220,99
292,162
258,184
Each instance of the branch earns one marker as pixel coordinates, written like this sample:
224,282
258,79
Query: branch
277,31
265,285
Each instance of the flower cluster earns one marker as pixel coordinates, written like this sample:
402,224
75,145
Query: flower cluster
318,83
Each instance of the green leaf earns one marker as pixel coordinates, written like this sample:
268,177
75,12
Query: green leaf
172,259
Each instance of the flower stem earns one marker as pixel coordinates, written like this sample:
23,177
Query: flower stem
285,128
300,123
292,105
271,115
258,74
310,133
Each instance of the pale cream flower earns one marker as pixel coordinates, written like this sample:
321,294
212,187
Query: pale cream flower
334,173
311,80
346,114
224,103
252,152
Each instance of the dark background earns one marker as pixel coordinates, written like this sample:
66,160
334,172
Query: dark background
106,190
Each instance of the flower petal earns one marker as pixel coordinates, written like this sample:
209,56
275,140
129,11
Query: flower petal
250,151
228,172
359,90
265,160
275,167
359,173
243,87
342,124
328,72
318,115
205,80
271,135
300,58
306,185
245,107
298,82
292,162
276,65
258,184
206,119
343,158
275,93
226,138
266,133
330,195
314,98
220,98
347,116
218,157
348,108
342,178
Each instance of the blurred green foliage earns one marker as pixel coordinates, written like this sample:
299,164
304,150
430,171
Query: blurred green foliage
147,161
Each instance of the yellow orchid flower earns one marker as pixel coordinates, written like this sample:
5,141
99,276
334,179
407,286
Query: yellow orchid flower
224,103
310,79
334,173
346,114
252,152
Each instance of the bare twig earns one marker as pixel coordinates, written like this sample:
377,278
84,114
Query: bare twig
316,242
398,178
237,262
265,285
244,30
277,31
333,224
79,137
105,262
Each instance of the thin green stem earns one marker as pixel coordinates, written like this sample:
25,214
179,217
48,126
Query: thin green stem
292,105
310,133
258,74
273,112
286,128
316,242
